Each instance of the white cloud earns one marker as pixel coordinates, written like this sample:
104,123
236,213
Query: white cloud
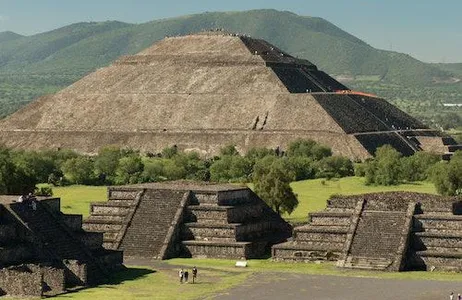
4,18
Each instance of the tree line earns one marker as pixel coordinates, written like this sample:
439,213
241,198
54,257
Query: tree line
270,170
389,167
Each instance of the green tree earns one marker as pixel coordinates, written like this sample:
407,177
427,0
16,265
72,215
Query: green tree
229,150
79,170
271,179
169,152
447,176
417,166
302,167
153,170
231,168
385,168
308,148
107,161
129,169
334,166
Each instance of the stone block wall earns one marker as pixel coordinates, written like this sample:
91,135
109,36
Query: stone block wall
21,280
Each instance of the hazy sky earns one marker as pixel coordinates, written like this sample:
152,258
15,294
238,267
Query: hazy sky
429,30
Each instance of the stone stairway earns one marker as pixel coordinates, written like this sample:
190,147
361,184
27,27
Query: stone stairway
322,239
112,217
238,227
436,242
165,220
149,226
376,240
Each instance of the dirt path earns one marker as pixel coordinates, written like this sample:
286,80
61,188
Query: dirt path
301,286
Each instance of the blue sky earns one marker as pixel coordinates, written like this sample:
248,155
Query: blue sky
429,30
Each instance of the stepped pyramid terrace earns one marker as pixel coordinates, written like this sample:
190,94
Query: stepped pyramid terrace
391,231
43,252
185,219
204,91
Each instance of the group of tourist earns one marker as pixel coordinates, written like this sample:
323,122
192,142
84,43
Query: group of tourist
451,296
184,275
29,200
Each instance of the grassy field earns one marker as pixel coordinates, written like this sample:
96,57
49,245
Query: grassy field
76,199
216,275
312,194
163,283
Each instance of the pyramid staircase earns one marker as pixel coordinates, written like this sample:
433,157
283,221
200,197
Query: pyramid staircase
323,238
391,231
160,221
238,226
436,240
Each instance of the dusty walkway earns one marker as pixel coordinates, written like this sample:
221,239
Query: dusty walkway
301,286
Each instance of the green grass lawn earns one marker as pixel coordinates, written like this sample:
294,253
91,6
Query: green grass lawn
145,283
312,194
76,199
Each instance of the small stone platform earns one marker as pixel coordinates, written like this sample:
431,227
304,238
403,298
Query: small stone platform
381,231
44,252
184,219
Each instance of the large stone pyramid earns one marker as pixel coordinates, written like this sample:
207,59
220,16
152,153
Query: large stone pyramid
203,91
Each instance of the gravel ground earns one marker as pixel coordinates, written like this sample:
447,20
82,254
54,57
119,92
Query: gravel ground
301,286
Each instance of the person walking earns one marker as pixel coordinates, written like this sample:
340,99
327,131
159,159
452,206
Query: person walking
181,274
186,275
194,273
451,296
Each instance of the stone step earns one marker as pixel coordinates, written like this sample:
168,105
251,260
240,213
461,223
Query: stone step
436,261
443,249
208,207
368,263
310,246
433,216
118,218
123,194
121,201
448,254
440,222
329,218
421,240
322,229
218,249
320,236
198,231
209,222
290,251
105,209
102,226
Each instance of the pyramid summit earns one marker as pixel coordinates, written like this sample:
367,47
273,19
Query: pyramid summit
204,91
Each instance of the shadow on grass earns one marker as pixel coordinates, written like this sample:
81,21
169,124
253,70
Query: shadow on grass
128,274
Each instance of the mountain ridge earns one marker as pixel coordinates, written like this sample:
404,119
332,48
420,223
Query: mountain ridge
31,66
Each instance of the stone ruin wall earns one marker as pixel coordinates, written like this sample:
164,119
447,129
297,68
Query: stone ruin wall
205,143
